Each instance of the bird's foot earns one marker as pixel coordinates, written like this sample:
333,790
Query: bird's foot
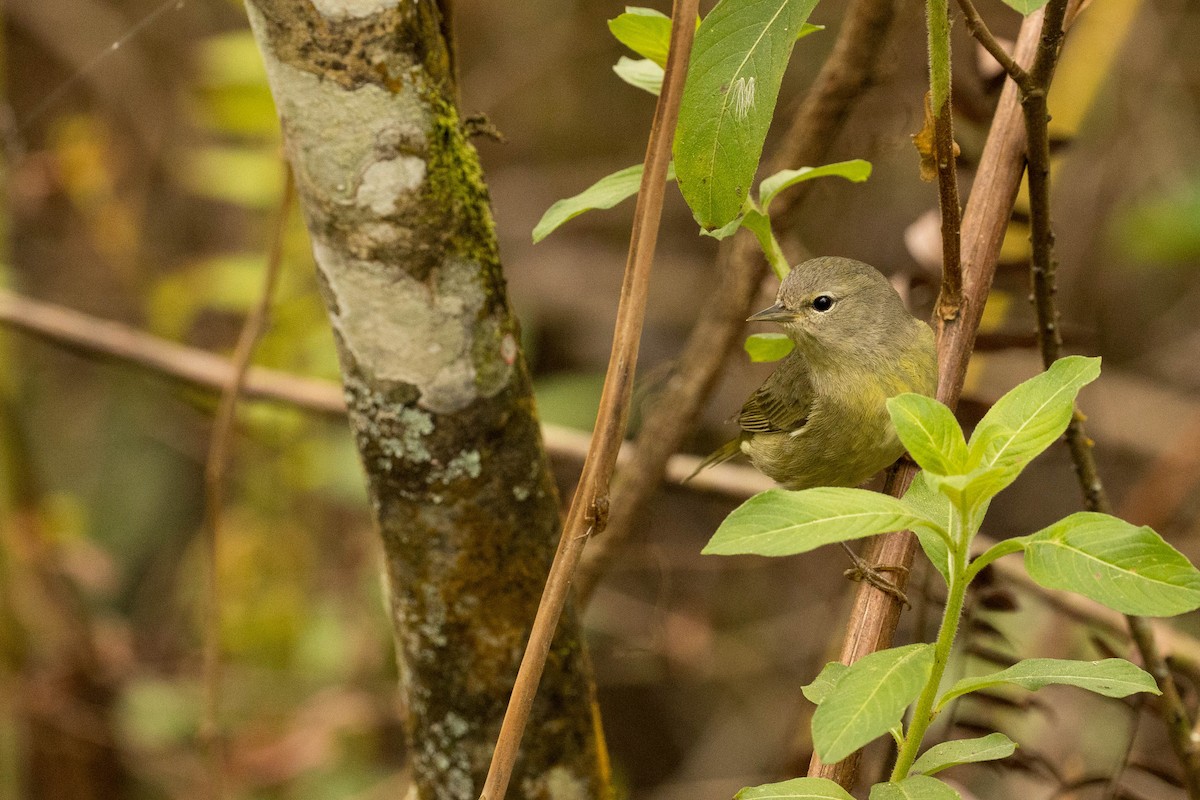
873,574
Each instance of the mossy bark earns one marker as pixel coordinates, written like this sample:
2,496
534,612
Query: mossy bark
438,393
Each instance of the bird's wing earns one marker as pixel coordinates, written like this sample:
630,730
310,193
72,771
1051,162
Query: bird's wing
781,404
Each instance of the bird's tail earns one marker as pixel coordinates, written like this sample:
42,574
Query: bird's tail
722,453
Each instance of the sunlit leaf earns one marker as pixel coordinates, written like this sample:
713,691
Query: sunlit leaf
914,787
855,170
741,51
641,73
604,193
823,684
930,433
1025,7
645,31
768,346
1125,567
795,789
1030,417
1112,677
964,751
778,522
869,699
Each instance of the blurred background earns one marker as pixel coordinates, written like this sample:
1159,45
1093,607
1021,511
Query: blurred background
143,176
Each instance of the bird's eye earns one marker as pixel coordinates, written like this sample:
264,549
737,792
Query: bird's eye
822,303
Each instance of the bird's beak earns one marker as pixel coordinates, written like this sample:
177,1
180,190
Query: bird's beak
776,313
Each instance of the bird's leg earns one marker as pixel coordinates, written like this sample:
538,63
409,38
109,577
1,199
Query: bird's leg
862,571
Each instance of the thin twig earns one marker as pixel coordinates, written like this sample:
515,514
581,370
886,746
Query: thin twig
979,29
198,369
945,154
94,337
1043,274
589,507
214,486
848,71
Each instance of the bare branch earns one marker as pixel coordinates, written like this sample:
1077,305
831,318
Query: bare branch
589,507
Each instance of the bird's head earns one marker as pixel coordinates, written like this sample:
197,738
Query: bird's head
830,306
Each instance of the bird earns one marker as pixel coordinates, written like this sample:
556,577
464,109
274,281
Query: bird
821,417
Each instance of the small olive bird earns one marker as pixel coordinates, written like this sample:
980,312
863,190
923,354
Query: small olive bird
820,419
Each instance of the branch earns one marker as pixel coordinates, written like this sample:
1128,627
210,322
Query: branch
979,29
214,491
945,153
1043,273
589,508
875,614
848,71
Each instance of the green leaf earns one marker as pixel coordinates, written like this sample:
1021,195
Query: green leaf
914,787
726,230
930,432
640,73
1028,419
604,193
1112,677
795,789
807,29
741,51
942,756
779,522
823,684
1025,7
973,491
645,31
768,346
929,503
855,170
869,699
1122,566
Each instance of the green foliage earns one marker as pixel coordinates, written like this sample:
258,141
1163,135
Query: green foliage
1026,7
1112,677
741,51
641,73
918,787
869,699
856,170
823,684
768,346
964,751
645,31
778,522
604,193
795,789
1125,567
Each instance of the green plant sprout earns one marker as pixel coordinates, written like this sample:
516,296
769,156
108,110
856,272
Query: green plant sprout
740,54
1122,566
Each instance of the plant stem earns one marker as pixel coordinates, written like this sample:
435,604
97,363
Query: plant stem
588,513
1042,269
923,712
938,12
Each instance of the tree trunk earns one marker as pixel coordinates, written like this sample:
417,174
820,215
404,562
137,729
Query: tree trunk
437,389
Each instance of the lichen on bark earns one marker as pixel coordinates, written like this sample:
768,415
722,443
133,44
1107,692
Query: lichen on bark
439,396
